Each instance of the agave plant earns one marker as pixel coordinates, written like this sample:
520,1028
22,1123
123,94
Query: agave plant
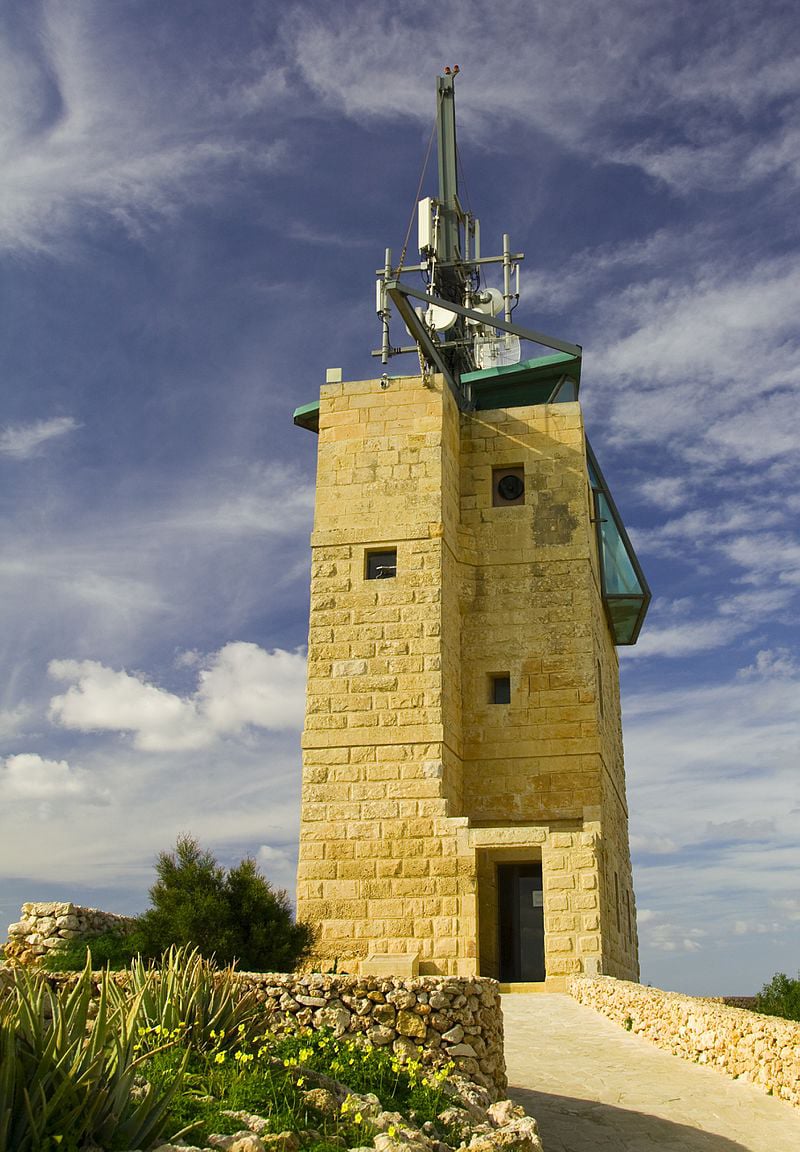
185,995
67,1078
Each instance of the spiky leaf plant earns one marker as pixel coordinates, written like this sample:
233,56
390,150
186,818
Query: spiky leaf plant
69,1076
185,994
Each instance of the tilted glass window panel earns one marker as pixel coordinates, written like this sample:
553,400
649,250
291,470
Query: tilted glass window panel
619,575
625,613
625,592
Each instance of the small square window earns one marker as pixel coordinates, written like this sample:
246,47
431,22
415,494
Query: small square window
381,565
500,689
508,486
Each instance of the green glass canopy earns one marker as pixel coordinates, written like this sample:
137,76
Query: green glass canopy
546,380
307,416
626,594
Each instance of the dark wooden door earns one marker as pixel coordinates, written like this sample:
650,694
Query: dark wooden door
521,921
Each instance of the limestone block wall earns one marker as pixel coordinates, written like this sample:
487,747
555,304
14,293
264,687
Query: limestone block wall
532,607
44,927
617,899
383,867
763,1050
432,1019
417,786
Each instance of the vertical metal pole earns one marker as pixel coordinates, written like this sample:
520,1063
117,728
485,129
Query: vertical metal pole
507,297
448,172
387,275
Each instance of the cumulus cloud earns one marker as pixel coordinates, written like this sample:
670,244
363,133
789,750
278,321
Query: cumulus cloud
100,698
280,865
25,440
28,776
769,663
671,937
755,927
240,686
245,685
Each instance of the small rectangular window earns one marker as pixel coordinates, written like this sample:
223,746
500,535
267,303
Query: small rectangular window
381,565
501,689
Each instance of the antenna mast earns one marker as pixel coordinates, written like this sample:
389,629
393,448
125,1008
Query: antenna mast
459,329
449,246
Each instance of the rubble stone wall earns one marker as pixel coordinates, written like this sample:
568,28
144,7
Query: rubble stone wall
42,928
763,1050
433,1019
429,1018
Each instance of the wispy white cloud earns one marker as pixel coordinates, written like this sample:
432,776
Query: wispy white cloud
667,492
108,578
706,330
686,119
233,798
686,638
25,440
89,133
299,230
713,784
663,936
655,845
13,720
239,686
740,829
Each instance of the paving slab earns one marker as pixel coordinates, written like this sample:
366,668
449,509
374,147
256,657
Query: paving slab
593,1087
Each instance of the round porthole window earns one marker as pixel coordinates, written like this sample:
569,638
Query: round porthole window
510,487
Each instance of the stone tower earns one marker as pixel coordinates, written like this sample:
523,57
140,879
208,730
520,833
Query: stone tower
463,802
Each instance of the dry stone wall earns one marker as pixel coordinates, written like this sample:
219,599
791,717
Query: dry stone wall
763,1050
428,1018
433,1019
42,928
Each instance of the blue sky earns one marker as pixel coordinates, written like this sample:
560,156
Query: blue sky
194,199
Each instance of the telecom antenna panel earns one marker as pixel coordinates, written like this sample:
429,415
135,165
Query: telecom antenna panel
458,325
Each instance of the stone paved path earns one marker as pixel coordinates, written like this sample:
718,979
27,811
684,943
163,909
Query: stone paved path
594,1088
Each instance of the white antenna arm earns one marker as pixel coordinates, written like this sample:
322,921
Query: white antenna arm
383,307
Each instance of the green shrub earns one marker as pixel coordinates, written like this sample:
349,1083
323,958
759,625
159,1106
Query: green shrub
235,916
781,997
109,950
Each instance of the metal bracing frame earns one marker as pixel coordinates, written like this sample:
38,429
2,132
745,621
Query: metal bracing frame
432,351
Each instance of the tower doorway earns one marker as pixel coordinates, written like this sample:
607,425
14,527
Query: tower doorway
520,907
